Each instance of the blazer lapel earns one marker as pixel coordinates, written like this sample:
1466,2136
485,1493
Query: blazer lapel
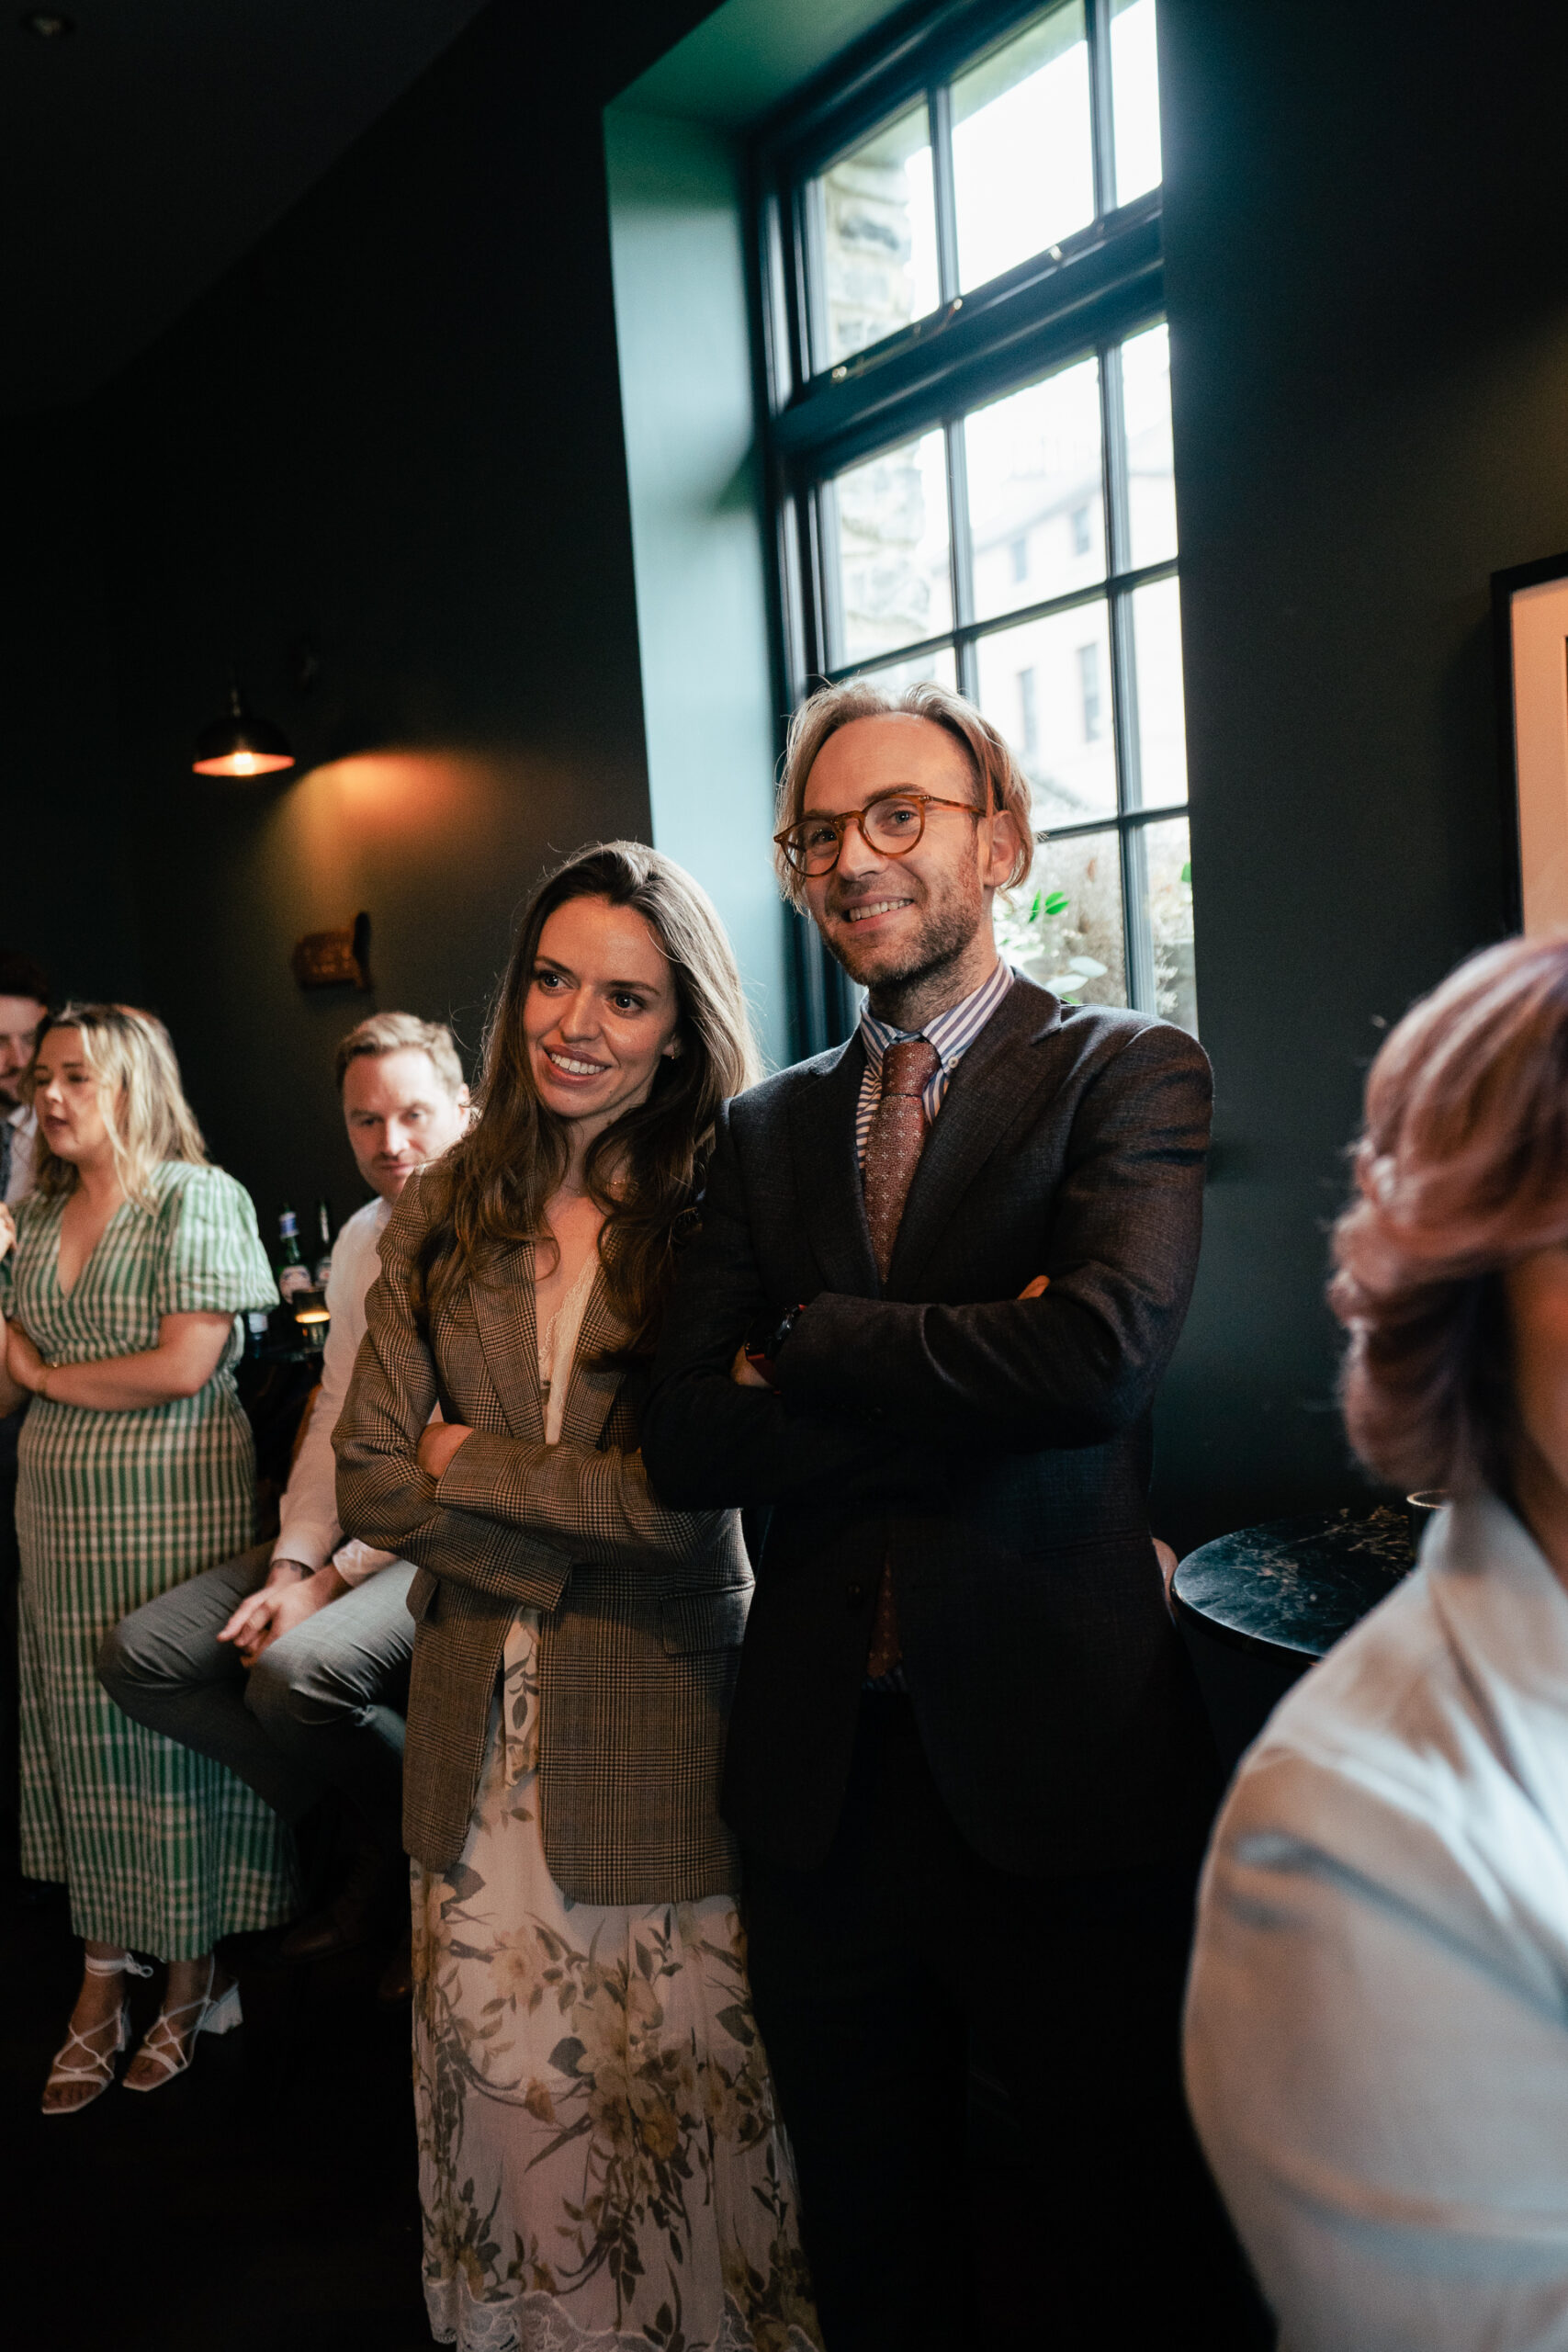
594,1384
992,1086
503,1309
833,1202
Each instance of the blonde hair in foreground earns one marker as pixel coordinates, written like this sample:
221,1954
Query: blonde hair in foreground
1461,1170
144,1106
1000,784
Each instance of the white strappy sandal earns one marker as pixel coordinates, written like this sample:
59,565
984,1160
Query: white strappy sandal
99,2068
165,2042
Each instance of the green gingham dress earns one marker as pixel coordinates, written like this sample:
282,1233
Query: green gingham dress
161,1848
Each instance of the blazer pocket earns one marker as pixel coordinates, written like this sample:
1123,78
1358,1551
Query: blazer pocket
421,1593
713,1618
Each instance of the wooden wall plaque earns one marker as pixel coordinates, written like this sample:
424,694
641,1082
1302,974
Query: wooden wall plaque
334,959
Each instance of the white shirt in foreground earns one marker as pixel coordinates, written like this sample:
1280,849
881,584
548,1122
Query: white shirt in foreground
308,1529
1377,2027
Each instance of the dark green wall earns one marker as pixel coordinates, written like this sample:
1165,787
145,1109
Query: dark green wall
66,888
394,432
1368,289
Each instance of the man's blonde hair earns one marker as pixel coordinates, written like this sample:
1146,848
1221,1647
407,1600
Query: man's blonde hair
1000,784
400,1033
149,1120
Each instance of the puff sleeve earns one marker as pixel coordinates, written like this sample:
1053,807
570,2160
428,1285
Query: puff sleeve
209,1255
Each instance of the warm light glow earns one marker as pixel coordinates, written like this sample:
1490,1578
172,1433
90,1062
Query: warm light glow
243,764
313,1314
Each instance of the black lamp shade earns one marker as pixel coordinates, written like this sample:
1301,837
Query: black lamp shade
238,744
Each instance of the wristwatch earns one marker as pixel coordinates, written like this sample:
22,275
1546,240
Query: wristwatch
765,1340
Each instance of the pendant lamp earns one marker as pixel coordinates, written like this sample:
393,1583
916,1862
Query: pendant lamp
238,744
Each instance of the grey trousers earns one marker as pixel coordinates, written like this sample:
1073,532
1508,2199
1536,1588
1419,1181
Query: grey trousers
322,1706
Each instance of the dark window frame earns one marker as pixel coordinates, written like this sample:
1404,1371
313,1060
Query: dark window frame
1085,296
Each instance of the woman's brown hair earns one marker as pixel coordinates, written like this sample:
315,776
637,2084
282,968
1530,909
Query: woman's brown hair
488,1192
1462,1170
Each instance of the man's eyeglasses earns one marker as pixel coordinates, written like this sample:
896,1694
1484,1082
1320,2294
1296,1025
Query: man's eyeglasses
891,825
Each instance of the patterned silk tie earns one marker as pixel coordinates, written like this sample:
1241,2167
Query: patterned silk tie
893,1149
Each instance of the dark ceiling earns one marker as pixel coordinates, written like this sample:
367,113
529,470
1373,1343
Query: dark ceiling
143,154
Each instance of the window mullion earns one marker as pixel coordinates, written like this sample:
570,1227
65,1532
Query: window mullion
961,551
797,594
1139,941
1118,517
810,248
830,632
1097,26
939,104
1135,919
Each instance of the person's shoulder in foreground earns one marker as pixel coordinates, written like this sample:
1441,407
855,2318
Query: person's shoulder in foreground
1382,1960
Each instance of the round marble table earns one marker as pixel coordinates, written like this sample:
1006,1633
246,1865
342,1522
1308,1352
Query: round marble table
1257,1608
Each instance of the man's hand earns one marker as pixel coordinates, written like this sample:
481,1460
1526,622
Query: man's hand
290,1594
280,1578
438,1442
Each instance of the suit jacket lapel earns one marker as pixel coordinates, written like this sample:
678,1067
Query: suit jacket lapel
593,1386
992,1086
822,1141
503,1309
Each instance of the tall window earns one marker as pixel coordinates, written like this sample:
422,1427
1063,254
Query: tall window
969,425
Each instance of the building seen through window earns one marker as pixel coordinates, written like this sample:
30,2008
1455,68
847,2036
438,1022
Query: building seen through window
1002,516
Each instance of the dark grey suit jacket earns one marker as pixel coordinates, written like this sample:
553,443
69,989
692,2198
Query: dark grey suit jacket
995,1452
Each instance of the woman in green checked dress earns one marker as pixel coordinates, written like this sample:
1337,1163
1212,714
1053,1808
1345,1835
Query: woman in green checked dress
121,1277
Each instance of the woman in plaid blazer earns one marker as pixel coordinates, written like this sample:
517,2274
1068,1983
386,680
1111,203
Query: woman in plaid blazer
597,2140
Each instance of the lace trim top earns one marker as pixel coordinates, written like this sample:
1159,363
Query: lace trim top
558,1346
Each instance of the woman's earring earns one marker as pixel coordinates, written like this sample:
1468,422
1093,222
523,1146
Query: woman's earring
675,1049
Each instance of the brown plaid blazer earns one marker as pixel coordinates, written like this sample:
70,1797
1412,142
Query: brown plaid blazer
643,1609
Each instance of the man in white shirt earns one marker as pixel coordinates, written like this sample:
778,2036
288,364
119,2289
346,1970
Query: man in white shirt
289,1664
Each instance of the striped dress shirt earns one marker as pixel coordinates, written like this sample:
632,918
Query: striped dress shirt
952,1033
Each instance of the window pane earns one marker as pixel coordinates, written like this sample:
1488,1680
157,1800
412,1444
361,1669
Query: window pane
893,578
1036,520
1168,860
1134,97
876,240
1064,927
1022,163
1046,685
1151,469
939,665
1156,668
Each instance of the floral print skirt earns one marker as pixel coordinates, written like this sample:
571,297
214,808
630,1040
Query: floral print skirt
601,2164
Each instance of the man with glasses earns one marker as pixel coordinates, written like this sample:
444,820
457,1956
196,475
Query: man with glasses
940,1272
